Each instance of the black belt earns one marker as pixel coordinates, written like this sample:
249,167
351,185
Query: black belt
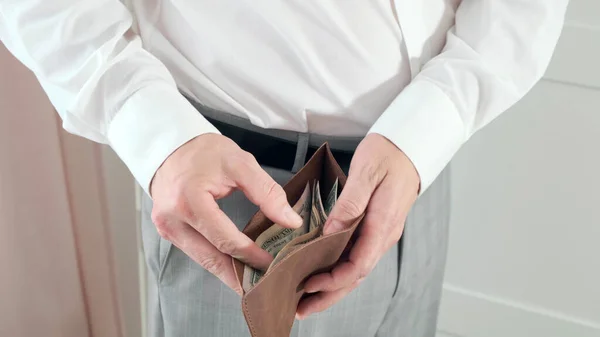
273,151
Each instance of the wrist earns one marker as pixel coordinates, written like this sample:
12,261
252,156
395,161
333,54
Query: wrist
403,163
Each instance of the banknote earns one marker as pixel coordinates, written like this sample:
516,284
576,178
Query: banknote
317,214
276,237
280,242
294,244
331,198
313,234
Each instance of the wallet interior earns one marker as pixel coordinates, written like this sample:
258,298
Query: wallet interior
270,305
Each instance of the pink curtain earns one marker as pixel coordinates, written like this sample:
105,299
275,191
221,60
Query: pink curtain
57,274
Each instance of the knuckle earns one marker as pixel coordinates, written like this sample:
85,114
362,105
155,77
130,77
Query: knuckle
157,216
226,246
164,232
211,263
247,158
226,142
179,207
162,226
362,274
273,190
240,160
350,208
373,172
183,210
364,269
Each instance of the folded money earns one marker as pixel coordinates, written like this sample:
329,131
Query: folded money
280,241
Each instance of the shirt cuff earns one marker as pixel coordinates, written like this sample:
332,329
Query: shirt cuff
425,124
152,124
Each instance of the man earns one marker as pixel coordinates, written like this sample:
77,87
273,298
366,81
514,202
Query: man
203,98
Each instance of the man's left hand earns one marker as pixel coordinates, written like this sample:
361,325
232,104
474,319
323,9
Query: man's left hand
383,184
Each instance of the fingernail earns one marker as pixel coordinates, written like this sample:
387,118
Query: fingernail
293,217
334,226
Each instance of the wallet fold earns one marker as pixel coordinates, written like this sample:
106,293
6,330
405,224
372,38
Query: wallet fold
270,306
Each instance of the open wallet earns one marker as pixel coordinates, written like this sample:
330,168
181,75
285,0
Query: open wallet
270,304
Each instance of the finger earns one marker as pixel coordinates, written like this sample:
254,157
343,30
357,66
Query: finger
205,254
217,228
381,227
321,301
334,280
264,192
363,258
352,201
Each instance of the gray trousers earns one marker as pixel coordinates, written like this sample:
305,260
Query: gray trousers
399,298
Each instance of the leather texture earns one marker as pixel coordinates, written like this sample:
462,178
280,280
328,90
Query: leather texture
270,306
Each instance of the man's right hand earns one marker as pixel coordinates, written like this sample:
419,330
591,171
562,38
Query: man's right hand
185,189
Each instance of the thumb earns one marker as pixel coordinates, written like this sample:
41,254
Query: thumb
351,204
267,194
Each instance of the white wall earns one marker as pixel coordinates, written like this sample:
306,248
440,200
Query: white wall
524,256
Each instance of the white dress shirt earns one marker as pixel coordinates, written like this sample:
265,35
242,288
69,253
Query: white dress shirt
426,74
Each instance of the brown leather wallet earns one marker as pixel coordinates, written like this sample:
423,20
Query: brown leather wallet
270,306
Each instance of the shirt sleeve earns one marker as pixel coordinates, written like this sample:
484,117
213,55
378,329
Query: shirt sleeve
494,54
101,81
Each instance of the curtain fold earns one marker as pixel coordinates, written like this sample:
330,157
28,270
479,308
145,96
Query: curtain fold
57,262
